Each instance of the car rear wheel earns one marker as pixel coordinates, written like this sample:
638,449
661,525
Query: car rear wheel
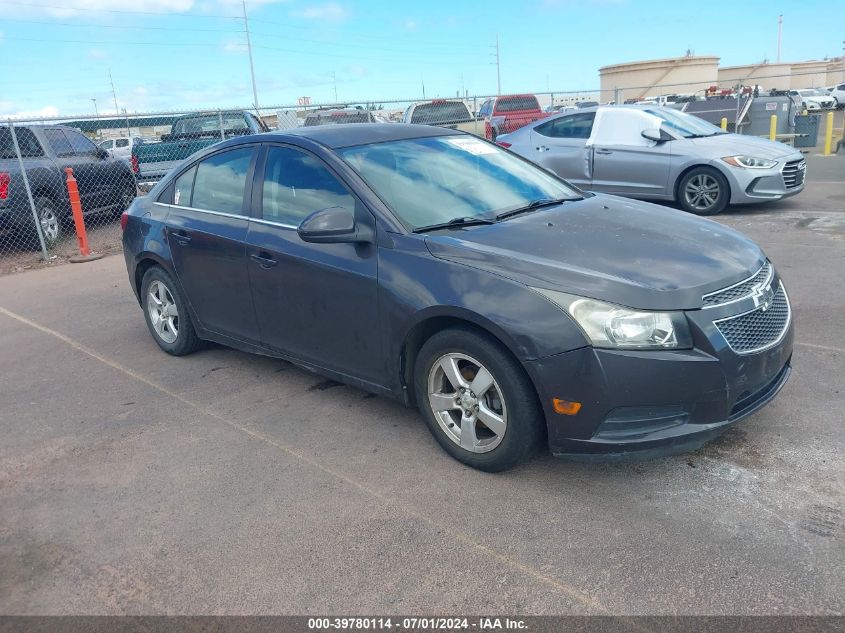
477,401
51,221
704,191
166,314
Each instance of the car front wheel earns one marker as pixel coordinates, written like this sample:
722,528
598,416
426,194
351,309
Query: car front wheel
477,401
166,313
704,191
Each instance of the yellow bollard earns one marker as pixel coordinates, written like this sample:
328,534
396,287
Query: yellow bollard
828,134
773,127
725,123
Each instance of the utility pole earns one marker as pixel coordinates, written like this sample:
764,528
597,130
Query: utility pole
251,67
422,81
780,34
113,93
498,69
95,107
334,81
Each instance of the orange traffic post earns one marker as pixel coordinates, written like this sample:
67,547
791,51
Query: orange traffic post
78,221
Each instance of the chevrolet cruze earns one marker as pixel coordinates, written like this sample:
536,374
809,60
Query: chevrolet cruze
430,266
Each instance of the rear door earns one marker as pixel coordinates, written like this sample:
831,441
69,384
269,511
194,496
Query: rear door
206,230
315,302
84,167
560,145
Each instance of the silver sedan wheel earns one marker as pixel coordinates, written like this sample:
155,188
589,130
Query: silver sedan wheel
467,402
49,223
162,311
702,192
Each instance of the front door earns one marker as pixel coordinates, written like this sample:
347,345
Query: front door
315,302
560,145
206,231
632,170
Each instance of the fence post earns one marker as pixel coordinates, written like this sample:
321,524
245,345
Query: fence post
475,115
220,122
773,127
26,186
828,134
724,124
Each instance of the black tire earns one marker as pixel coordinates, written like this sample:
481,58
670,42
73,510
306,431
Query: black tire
128,193
185,340
53,221
524,420
701,206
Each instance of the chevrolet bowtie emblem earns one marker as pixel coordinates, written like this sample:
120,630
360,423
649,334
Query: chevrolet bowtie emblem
762,297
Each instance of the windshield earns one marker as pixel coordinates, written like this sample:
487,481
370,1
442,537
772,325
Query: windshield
210,123
684,125
436,179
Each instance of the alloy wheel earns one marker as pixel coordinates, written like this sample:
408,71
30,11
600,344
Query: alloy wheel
467,402
50,224
702,192
162,311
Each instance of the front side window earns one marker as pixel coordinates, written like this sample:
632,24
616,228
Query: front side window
296,184
58,142
80,143
573,126
221,181
436,179
107,144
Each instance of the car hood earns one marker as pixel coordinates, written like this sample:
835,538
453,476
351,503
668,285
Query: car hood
618,250
740,144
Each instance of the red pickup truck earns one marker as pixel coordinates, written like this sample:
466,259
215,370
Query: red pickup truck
506,114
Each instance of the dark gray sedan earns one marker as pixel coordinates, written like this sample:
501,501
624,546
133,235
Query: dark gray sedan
433,267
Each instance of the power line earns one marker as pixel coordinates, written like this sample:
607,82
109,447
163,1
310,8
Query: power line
122,26
67,9
121,42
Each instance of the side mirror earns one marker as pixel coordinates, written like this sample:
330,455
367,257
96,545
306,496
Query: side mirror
102,154
333,225
653,135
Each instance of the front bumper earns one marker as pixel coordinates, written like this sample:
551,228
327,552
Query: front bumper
657,402
786,179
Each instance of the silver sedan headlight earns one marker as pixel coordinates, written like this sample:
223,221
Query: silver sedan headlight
750,162
616,327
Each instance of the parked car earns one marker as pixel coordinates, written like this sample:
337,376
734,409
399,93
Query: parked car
812,99
121,147
509,113
441,112
105,184
189,134
558,107
838,93
339,116
649,152
433,267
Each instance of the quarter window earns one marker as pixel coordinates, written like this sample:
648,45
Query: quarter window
297,184
572,126
182,188
221,181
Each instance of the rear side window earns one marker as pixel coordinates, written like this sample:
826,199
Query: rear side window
572,126
183,187
512,104
80,143
122,142
296,184
441,113
221,181
30,148
58,143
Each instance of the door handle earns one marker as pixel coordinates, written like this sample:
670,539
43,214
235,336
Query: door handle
542,148
181,237
603,151
263,259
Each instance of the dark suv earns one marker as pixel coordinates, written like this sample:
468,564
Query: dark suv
105,183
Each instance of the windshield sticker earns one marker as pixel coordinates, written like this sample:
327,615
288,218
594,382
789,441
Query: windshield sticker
472,145
176,197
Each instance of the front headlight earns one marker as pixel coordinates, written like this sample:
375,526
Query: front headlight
617,327
750,162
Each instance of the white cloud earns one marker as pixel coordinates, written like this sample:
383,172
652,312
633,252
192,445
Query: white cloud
97,53
331,12
234,47
69,8
411,25
47,111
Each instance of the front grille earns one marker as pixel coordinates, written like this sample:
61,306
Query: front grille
740,290
793,173
759,329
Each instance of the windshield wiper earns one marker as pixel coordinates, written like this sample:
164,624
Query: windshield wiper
462,221
534,204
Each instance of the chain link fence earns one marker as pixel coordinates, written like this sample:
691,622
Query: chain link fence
112,159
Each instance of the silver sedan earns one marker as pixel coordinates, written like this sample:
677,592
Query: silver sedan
656,153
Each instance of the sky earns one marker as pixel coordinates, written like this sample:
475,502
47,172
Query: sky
57,56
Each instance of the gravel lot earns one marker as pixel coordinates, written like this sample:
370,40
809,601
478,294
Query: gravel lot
133,482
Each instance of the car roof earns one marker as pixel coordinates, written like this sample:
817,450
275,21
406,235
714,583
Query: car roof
350,134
